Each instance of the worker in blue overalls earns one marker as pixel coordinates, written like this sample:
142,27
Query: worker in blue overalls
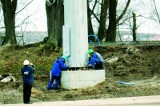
28,79
57,67
96,61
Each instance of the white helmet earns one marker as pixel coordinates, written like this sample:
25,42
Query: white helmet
26,62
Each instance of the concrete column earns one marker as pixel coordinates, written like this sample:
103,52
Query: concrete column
75,32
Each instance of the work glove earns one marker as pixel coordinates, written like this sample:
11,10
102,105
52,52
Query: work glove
90,66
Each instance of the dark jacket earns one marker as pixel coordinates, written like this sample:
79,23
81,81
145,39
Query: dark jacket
57,67
27,74
96,58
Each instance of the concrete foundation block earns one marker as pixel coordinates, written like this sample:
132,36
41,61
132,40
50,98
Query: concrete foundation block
81,79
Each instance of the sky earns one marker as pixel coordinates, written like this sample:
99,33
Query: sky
140,7
148,25
37,16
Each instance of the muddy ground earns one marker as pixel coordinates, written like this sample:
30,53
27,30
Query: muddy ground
131,70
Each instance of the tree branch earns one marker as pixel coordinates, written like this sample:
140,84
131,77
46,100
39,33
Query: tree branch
14,5
124,11
24,7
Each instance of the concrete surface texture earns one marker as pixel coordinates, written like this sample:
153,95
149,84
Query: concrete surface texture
75,31
81,79
125,101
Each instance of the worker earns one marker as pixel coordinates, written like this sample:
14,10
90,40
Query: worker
95,60
57,67
28,79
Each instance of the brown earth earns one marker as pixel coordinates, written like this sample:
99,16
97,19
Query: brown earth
138,66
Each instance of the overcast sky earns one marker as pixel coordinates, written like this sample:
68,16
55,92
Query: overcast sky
37,16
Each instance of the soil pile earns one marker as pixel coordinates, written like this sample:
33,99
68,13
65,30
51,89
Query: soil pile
132,62
135,64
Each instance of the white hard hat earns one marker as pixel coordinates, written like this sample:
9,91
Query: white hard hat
26,62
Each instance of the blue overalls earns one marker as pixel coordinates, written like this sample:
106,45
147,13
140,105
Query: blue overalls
57,67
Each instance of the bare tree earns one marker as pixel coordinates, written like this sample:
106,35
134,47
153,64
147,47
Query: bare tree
111,32
9,9
102,24
113,20
9,15
0,14
90,27
156,11
55,21
134,27
124,11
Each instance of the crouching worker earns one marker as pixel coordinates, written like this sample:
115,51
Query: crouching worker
96,60
57,67
27,74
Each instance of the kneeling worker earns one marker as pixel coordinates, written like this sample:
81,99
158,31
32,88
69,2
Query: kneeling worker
96,61
57,67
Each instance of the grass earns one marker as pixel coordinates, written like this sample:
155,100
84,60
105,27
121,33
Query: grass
12,57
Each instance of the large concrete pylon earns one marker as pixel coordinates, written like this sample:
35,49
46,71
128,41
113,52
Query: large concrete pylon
75,45
75,31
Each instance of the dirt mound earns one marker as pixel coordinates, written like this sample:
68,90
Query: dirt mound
131,62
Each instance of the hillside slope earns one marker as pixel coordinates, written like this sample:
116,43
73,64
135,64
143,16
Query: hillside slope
131,70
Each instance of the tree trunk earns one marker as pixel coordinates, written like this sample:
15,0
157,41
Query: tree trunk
90,28
134,27
51,25
55,21
60,21
111,32
9,8
102,26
